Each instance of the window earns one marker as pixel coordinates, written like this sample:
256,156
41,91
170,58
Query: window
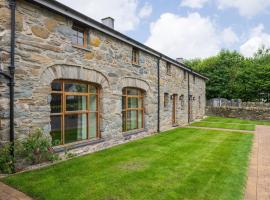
132,109
194,79
79,36
166,100
168,68
74,111
199,102
185,75
135,56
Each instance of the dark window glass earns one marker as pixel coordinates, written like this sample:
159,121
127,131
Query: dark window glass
75,87
56,130
56,103
75,103
56,86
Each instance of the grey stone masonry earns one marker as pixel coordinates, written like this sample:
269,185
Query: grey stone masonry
44,52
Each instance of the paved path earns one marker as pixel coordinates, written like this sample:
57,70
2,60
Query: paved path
258,184
8,193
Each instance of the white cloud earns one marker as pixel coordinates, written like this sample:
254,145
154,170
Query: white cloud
146,11
188,37
246,8
125,12
229,37
193,3
256,40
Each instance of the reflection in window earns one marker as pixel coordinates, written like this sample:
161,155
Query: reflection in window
132,109
74,112
78,36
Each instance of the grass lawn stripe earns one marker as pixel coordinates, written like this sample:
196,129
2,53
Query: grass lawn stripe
178,164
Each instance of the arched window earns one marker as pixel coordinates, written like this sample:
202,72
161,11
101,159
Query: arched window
132,109
74,111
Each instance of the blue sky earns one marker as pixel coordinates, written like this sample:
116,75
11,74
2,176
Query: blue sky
187,28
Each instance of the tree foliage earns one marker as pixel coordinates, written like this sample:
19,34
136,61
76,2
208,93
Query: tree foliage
234,76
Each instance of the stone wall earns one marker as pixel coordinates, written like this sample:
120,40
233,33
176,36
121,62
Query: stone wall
44,53
251,113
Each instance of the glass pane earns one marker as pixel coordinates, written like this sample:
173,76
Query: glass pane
93,102
75,128
56,130
140,119
56,86
92,89
132,91
131,120
74,103
80,33
92,125
80,41
75,87
56,103
140,104
124,121
123,103
132,102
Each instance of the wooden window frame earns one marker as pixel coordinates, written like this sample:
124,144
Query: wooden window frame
135,56
78,29
138,109
64,112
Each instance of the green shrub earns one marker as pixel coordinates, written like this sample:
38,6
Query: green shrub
6,160
37,148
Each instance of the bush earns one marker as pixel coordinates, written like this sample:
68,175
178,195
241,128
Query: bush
6,160
37,148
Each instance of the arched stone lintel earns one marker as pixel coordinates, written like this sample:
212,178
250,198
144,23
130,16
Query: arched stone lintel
74,72
135,82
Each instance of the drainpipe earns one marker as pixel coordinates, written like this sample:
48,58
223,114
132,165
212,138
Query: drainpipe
12,4
158,110
188,99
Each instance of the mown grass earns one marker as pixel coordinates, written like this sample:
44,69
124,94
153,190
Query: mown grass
235,120
179,164
229,123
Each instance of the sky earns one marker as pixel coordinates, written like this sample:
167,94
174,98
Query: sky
187,28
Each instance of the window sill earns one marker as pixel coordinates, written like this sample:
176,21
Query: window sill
75,145
82,48
128,134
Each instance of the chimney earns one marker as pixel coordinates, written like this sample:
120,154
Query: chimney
181,60
108,21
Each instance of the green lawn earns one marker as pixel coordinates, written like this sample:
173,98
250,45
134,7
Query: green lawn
235,120
179,164
229,123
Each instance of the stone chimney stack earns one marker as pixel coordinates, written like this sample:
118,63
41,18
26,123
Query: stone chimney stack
108,21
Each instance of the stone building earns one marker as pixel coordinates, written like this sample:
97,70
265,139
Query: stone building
87,85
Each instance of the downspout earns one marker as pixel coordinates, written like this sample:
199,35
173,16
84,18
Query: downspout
188,99
158,110
12,4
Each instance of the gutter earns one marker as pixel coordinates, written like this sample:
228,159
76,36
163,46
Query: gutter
188,99
158,110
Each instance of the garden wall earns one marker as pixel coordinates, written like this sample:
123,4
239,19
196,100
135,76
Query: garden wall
253,113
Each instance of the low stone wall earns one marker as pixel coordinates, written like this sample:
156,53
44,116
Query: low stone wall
252,113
